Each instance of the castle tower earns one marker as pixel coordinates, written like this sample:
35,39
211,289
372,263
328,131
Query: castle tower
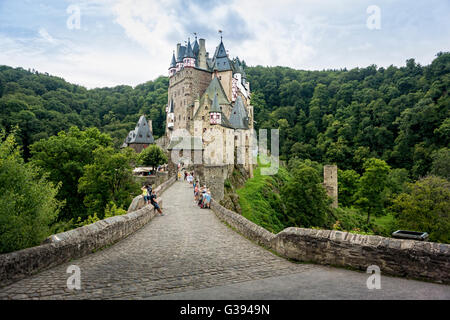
202,56
330,181
189,57
215,115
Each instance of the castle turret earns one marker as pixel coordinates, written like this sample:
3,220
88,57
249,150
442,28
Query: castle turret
170,115
173,66
215,115
180,54
189,58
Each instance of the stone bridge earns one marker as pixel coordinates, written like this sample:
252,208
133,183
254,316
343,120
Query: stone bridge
190,254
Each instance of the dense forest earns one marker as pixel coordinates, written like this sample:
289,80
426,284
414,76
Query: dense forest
400,115
387,129
42,105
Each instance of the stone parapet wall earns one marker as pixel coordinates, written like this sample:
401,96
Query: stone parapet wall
138,202
249,229
76,243
407,258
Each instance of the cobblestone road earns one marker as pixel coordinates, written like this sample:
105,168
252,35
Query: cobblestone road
186,250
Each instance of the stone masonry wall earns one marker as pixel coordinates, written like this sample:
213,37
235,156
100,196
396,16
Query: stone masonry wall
407,258
63,247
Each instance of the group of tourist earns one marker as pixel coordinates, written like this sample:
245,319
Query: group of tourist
150,197
202,195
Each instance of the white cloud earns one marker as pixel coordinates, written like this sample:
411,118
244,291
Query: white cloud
131,41
46,36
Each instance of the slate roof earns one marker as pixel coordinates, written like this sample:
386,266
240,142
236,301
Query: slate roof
141,134
215,105
239,117
189,53
216,87
181,54
221,62
196,48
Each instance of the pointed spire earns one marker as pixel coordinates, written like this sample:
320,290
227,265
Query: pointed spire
189,53
221,52
173,64
196,47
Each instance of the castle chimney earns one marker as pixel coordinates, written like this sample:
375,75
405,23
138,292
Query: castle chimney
202,55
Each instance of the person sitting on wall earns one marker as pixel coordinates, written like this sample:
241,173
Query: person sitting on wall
196,193
149,191
145,194
207,199
201,195
154,203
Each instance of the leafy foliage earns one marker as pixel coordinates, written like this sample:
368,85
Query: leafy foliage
261,202
43,105
109,178
372,187
64,158
306,200
399,115
152,156
27,203
425,208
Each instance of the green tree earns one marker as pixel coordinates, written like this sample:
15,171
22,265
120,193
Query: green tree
372,187
27,204
64,157
441,163
109,179
306,200
425,208
347,187
152,156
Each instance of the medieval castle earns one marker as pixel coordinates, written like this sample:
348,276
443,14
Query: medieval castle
209,115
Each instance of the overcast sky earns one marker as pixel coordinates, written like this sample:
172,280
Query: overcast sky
131,41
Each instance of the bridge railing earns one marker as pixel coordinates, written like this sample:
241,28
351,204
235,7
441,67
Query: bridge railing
76,243
408,258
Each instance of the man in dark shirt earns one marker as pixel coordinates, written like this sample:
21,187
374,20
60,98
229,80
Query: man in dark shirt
154,203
